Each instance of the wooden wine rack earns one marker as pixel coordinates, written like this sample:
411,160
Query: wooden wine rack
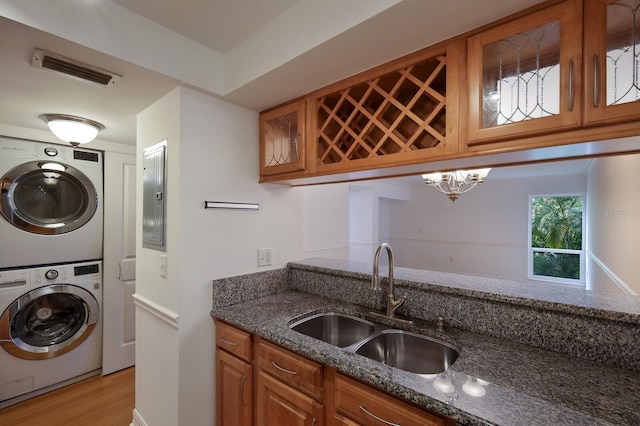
399,112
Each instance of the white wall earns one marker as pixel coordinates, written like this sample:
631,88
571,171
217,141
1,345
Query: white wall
326,221
613,225
213,155
157,341
368,215
363,223
483,233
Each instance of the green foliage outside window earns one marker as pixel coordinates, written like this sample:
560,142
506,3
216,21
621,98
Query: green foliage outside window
556,223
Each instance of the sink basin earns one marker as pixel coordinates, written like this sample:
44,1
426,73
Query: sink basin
341,330
409,351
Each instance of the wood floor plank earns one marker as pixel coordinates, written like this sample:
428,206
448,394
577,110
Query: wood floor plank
96,401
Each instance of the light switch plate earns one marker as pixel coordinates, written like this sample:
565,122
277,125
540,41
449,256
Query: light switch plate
265,257
163,265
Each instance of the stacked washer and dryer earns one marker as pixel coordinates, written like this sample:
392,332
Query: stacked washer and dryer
51,229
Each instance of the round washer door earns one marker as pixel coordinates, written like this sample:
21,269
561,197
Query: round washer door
47,197
48,322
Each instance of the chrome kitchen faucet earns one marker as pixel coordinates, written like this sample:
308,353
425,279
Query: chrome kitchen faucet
392,302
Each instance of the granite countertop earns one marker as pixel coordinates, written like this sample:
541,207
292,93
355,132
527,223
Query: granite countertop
522,385
568,299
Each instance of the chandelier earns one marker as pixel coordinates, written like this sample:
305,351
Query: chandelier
457,182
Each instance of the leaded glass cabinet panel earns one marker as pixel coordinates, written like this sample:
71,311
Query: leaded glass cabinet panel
282,139
612,60
524,76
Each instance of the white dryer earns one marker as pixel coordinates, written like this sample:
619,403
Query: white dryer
51,207
50,328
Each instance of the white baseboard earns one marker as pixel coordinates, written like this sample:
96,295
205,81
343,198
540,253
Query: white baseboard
137,419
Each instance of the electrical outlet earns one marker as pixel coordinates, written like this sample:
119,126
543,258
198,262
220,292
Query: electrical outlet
265,257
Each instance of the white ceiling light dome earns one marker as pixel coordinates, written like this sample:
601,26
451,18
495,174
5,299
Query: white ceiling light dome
71,129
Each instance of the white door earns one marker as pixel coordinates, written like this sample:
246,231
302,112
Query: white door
118,350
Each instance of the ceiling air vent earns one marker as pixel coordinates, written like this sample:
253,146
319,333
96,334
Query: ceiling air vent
71,68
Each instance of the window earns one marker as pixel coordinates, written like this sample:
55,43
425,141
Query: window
556,243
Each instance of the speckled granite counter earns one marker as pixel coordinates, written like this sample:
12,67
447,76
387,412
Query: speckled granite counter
600,327
524,385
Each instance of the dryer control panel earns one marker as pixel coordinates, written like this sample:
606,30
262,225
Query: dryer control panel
12,279
66,273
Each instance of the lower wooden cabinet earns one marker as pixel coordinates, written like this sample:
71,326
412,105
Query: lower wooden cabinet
296,371
340,420
260,383
234,376
234,379
278,404
364,405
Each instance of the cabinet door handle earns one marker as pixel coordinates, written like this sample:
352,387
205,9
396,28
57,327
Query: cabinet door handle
295,144
367,412
596,82
571,85
283,369
228,342
314,422
244,379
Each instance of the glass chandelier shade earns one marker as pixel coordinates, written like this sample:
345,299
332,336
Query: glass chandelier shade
71,129
457,182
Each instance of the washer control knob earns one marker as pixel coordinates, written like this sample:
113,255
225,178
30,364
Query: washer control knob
50,151
51,274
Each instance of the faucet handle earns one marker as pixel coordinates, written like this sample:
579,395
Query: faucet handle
440,322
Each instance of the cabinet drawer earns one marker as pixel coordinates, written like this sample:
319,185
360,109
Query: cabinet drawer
233,340
339,420
368,406
298,372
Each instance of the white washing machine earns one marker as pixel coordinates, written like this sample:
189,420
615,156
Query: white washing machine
51,208
50,328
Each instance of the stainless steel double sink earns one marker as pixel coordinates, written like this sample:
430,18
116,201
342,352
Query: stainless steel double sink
398,348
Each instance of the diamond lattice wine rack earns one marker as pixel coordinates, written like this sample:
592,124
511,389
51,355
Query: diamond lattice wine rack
399,112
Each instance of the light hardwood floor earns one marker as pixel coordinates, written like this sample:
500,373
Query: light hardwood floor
96,401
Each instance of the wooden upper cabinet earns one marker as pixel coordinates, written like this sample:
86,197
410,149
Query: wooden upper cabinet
283,139
561,72
402,112
525,76
612,70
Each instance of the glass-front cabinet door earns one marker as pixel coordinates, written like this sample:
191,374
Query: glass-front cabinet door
612,60
282,139
525,75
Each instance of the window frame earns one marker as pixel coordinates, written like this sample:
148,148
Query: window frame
582,252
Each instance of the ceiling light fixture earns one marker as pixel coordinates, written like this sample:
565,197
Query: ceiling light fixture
71,129
455,183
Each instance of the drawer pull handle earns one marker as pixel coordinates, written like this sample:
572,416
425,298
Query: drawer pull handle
367,412
228,342
244,379
283,369
314,422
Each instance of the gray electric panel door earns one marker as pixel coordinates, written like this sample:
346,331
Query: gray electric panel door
154,195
